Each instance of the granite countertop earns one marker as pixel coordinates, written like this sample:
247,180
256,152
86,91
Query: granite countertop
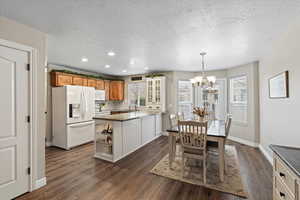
126,116
290,155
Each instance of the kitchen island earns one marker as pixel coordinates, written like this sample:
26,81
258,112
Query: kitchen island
118,135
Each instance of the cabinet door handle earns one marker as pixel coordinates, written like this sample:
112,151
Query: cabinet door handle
281,174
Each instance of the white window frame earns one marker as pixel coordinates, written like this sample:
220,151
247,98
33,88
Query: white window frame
231,90
139,94
235,104
184,102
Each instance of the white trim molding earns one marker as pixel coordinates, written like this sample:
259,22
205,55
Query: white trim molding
48,144
243,141
40,183
265,153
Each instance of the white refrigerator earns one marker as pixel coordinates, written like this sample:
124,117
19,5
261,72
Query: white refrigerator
73,110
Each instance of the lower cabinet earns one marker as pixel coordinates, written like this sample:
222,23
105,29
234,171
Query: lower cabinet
148,128
284,181
131,135
158,125
127,136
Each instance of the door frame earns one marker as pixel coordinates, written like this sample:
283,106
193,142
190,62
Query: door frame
33,58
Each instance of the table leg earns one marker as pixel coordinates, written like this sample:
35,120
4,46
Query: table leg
221,159
170,150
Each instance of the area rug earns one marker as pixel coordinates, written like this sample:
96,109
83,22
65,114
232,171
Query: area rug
193,172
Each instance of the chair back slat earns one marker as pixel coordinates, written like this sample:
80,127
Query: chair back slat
173,120
228,124
193,134
180,116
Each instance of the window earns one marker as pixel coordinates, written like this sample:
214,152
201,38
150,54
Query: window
238,87
185,98
238,106
137,94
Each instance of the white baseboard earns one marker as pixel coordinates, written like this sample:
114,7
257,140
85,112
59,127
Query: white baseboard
265,153
243,141
40,183
48,144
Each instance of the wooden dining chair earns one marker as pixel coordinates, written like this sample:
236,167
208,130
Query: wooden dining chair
180,116
173,120
212,146
193,137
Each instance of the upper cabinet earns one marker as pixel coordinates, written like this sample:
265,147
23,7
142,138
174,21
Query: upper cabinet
106,87
100,85
92,83
156,93
61,79
116,91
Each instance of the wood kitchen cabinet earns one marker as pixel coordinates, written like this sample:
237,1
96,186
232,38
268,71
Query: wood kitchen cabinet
92,83
85,81
61,79
100,84
77,80
116,90
106,87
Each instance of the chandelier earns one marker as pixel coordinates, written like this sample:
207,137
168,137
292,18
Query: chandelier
205,82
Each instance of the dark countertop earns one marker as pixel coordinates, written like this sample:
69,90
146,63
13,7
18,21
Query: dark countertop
125,116
290,156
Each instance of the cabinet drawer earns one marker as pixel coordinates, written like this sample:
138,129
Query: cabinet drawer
286,176
281,191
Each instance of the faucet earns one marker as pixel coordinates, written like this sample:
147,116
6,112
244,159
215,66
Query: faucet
135,108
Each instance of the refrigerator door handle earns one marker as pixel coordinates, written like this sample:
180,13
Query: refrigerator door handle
81,124
81,104
86,103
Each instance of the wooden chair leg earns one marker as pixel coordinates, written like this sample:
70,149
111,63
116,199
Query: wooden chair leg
182,166
204,170
225,166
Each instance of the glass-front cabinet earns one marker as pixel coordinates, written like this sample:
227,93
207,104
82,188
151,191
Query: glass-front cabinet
156,93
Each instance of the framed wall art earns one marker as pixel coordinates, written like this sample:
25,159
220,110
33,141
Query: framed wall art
279,86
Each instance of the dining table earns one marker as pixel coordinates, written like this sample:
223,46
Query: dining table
215,133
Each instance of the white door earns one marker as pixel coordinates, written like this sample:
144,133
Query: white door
14,134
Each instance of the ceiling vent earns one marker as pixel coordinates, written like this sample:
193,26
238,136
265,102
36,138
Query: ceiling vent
137,78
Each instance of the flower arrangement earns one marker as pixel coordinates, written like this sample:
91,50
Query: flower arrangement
201,112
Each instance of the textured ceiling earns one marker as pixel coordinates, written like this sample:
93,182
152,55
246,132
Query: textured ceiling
158,34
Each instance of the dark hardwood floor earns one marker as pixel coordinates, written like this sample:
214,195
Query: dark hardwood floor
75,174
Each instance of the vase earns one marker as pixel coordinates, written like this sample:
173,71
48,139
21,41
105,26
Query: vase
201,118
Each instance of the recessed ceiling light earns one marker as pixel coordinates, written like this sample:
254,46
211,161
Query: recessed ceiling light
84,59
146,68
111,53
124,71
132,61
107,66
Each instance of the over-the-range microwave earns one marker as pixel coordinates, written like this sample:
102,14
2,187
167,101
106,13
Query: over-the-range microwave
99,95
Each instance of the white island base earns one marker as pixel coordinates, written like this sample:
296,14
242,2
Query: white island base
127,135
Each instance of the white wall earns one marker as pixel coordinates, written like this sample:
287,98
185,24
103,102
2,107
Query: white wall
280,117
248,132
13,31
